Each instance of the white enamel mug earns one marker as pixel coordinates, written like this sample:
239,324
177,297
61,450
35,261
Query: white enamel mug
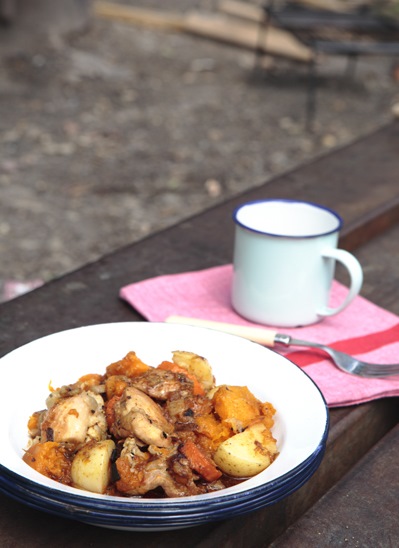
284,262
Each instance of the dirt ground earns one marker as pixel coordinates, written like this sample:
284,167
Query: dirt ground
120,131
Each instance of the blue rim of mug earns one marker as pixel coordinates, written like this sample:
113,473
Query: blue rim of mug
287,200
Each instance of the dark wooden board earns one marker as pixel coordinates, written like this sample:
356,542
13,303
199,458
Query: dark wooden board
348,515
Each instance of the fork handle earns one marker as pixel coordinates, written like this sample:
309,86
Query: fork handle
256,334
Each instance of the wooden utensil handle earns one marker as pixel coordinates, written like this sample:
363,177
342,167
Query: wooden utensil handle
256,334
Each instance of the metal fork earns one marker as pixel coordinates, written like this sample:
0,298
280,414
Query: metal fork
346,363
270,338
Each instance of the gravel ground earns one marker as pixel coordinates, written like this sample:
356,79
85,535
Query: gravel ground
121,131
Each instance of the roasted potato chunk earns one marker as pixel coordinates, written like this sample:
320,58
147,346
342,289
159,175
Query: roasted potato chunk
91,467
248,453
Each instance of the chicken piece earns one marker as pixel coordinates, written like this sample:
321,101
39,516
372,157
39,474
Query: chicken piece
131,449
138,477
162,384
183,412
136,414
66,391
75,420
140,472
91,382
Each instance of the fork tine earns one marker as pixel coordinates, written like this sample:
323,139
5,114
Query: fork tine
344,361
382,371
356,367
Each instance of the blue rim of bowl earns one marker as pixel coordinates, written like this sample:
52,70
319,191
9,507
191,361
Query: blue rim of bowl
166,507
161,520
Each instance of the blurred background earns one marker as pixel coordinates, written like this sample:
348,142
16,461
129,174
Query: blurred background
115,123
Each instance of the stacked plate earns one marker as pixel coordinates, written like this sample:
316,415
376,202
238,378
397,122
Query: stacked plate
301,421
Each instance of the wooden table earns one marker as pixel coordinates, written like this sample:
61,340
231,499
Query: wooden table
352,500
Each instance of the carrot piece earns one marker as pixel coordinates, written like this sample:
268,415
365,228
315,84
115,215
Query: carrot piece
90,380
115,385
33,422
200,462
236,406
215,430
170,366
50,459
130,365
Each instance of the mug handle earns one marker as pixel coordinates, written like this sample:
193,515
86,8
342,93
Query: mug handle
356,278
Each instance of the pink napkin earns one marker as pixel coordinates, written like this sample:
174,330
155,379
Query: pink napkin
363,329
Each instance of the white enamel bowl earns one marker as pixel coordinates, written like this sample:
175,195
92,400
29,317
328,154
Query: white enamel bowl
301,421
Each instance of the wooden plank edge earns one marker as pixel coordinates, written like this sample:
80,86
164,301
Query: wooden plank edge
370,225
